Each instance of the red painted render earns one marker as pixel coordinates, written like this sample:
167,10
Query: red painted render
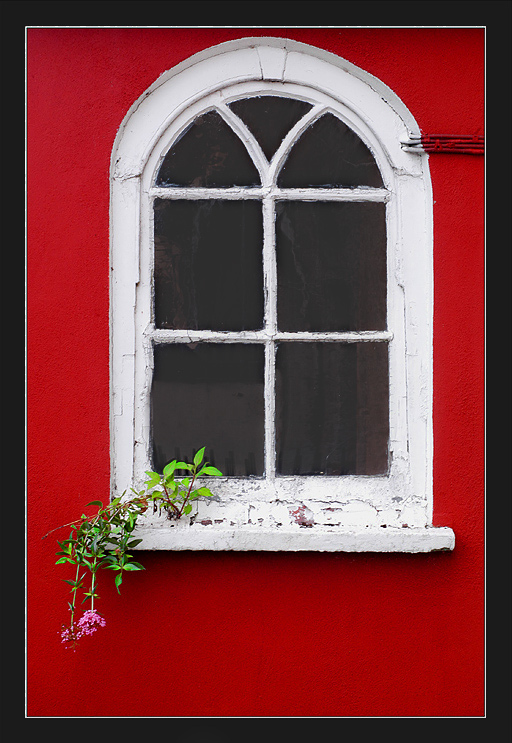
244,634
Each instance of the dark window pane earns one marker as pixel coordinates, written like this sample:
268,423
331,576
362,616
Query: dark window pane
331,266
332,408
208,153
330,154
270,118
209,394
208,264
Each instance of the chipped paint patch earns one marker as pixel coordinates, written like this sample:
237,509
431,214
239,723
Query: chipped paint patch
303,516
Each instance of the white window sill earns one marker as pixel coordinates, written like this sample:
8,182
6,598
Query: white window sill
183,536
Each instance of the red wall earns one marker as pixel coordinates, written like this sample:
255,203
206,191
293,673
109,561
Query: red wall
244,634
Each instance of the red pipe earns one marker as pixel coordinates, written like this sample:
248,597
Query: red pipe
447,143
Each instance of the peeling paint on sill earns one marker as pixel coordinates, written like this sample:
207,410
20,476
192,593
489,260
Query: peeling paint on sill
295,526
213,538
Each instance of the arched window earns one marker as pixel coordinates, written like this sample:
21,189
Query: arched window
272,301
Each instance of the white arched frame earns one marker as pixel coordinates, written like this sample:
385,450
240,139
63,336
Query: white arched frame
391,513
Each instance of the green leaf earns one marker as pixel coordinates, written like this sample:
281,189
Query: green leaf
211,471
154,479
130,566
94,503
205,492
169,468
118,580
183,466
169,482
198,458
107,561
134,542
187,508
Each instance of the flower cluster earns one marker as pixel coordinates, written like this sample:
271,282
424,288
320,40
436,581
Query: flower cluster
86,625
70,635
88,622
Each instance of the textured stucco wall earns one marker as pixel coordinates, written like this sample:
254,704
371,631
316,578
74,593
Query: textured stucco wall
245,634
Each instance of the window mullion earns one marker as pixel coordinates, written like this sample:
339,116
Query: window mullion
159,335
270,289
270,432
312,193
269,265
196,193
338,337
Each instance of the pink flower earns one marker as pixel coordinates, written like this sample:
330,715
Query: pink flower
89,622
86,625
70,635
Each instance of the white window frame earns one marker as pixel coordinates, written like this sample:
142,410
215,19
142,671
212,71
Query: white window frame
348,513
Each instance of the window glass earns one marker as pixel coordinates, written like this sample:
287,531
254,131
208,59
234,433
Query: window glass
208,153
270,118
329,153
331,266
209,394
331,398
208,269
332,408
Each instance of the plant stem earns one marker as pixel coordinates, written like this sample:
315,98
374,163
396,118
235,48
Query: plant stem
188,494
93,584
169,501
74,596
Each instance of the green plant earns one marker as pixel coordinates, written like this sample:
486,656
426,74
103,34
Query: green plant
104,539
176,497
